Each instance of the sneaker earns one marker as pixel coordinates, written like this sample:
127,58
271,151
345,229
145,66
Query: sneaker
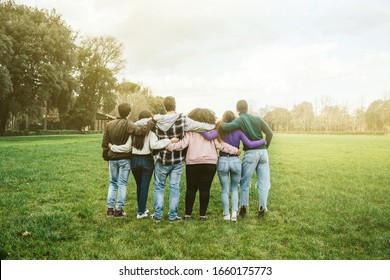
177,219
141,216
234,216
226,217
119,213
110,212
242,213
187,217
155,219
203,218
261,213
146,211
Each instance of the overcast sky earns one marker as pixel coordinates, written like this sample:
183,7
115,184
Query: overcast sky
271,53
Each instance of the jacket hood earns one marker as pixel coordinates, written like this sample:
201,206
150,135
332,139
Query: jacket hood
142,121
167,121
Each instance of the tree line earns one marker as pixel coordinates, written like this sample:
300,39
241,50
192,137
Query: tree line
48,74
329,118
52,78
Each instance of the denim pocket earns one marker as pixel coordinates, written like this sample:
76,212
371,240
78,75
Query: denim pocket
223,166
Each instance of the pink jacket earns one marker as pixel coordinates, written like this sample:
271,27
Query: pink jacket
201,150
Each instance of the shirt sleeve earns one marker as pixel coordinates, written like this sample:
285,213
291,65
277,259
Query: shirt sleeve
267,131
105,144
210,135
125,148
181,145
249,143
191,125
140,130
156,144
234,125
225,147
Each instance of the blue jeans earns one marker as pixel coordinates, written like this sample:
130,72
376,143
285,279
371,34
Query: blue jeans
255,160
142,169
229,166
161,172
119,174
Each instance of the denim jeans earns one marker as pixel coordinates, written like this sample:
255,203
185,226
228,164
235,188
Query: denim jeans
255,160
142,169
229,166
119,174
161,172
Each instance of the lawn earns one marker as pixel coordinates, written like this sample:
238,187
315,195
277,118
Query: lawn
329,199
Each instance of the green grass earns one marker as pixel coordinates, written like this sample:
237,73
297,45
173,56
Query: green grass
329,199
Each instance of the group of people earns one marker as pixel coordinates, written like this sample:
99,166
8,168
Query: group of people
163,144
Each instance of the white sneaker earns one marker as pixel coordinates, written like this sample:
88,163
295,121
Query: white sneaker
234,216
226,217
144,215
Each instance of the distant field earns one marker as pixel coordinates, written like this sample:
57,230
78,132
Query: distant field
329,199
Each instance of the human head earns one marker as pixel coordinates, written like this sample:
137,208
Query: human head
228,116
169,103
124,110
144,114
242,106
203,115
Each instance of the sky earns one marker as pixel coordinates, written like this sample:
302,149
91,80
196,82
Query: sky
271,53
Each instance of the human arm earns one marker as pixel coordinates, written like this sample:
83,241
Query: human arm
125,148
191,125
141,129
181,145
233,125
268,133
105,142
226,148
210,135
249,143
156,144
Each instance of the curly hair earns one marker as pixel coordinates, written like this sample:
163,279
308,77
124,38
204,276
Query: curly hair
203,115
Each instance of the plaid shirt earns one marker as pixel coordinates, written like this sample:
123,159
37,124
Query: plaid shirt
176,130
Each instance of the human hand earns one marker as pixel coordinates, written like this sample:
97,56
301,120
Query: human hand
174,140
157,117
238,152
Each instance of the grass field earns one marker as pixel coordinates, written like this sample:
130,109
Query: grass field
330,199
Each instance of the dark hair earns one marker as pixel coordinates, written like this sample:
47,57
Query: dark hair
203,115
242,106
139,140
169,103
227,117
124,109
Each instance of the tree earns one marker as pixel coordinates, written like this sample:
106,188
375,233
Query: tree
99,61
37,60
378,115
303,116
279,119
139,97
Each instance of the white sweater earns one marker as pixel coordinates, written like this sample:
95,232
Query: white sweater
151,143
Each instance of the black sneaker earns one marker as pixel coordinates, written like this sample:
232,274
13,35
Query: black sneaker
154,218
119,213
110,212
261,213
242,212
177,219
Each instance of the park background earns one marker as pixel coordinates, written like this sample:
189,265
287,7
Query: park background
329,157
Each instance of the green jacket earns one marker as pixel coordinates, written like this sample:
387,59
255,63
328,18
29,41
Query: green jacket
253,127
